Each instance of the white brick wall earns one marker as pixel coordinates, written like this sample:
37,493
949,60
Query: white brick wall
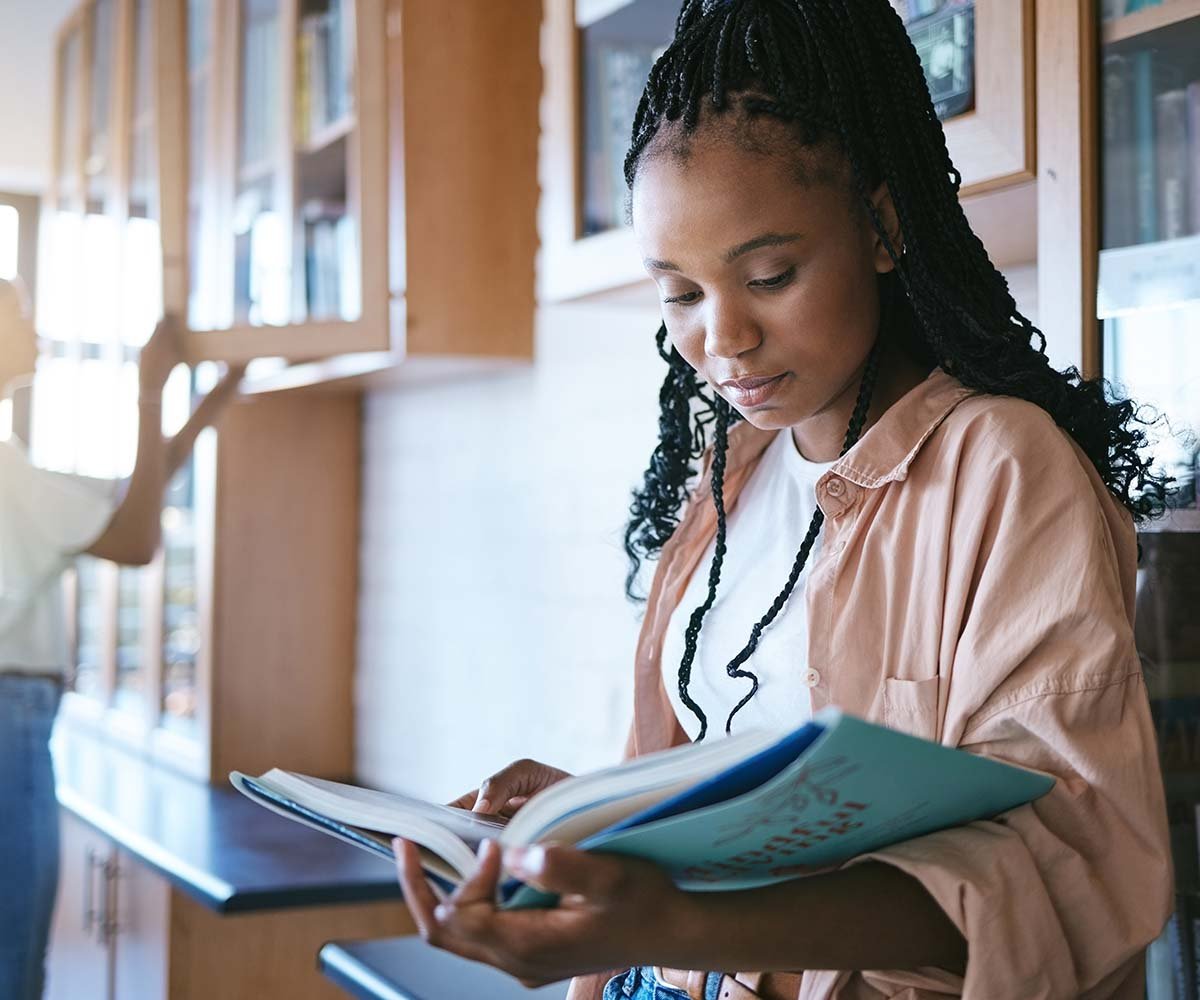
492,622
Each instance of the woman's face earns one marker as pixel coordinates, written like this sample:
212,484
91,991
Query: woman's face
768,286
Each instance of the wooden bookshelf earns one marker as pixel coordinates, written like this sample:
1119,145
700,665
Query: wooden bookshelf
1148,20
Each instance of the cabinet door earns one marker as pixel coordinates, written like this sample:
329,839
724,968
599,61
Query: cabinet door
141,943
284,152
79,964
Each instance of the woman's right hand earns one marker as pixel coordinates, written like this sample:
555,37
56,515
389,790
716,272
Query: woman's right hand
510,788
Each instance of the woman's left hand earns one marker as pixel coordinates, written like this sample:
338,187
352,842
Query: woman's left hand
613,911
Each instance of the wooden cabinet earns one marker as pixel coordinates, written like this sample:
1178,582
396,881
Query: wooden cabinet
338,180
309,178
1143,337
122,932
598,53
80,963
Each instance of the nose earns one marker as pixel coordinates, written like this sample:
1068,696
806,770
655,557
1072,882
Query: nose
729,332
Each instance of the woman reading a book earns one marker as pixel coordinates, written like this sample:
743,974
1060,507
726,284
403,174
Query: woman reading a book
904,511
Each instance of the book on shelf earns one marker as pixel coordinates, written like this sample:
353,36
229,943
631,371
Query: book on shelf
1150,168
324,72
1171,150
748,810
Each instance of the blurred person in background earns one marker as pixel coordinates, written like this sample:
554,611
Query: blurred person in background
46,520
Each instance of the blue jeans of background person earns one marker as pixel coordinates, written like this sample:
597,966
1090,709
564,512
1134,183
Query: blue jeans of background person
28,832
640,984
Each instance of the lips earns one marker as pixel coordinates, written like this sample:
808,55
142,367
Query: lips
749,381
752,390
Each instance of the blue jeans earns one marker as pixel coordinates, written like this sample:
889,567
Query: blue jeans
28,832
640,984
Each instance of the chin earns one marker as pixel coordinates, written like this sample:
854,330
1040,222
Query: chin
766,418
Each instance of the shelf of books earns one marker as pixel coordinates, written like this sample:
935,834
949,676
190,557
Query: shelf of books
1148,304
279,164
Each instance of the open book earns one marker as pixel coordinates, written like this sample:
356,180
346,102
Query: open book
733,813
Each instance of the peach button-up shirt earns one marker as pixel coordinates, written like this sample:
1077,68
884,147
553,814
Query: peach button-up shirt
975,586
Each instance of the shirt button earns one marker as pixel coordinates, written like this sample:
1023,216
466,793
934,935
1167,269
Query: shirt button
812,677
835,487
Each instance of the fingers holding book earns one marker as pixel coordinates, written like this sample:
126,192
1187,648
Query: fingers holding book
612,910
506,791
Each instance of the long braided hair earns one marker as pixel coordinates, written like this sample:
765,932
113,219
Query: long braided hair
844,74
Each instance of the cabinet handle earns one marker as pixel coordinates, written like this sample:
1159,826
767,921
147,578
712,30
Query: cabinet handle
109,925
89,868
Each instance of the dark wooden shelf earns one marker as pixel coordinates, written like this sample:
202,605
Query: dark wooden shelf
212,842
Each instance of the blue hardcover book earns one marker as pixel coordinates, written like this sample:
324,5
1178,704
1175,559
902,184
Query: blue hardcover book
733,813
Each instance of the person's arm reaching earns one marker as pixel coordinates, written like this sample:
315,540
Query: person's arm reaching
133,533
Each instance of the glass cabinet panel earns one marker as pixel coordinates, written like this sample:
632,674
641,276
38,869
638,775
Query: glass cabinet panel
261,219
327,252
97,164
616,52
943,33
1149,304
70,70
143,166
201,104
181,616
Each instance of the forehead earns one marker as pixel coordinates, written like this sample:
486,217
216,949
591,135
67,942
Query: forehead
694,202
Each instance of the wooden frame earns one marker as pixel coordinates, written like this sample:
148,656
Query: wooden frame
993,146
1067,173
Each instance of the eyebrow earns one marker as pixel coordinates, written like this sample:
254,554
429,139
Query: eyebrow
733,253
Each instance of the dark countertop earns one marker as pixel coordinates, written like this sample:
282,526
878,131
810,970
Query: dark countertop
409,969
211,842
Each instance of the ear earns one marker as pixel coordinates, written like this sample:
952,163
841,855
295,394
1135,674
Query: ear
881,198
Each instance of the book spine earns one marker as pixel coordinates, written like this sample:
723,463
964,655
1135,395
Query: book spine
1117,162
1146,203
1170,121
304,55
1193,154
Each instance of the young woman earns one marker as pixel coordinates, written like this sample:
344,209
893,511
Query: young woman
46,518
905,511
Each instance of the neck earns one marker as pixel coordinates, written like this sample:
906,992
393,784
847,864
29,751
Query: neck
820,438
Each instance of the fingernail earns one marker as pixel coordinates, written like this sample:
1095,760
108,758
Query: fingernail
441,911
482,806
535,860
525,861
397,846
484,846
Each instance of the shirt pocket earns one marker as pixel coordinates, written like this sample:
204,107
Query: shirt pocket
911,706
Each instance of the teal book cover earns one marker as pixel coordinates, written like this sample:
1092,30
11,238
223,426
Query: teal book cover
835,788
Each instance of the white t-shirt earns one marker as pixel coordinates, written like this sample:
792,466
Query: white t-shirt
45,519
763,534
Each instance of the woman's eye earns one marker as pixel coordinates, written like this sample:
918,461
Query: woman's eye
775,282
685,299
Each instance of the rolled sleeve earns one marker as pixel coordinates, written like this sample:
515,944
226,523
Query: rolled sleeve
1060,897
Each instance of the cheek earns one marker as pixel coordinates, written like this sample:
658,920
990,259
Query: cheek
686,335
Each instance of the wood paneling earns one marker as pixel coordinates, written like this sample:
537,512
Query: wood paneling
285,585
472,84
1068,239
253,956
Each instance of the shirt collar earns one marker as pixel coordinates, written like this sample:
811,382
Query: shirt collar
884,453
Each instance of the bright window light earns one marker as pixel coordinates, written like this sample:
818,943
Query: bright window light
10,231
